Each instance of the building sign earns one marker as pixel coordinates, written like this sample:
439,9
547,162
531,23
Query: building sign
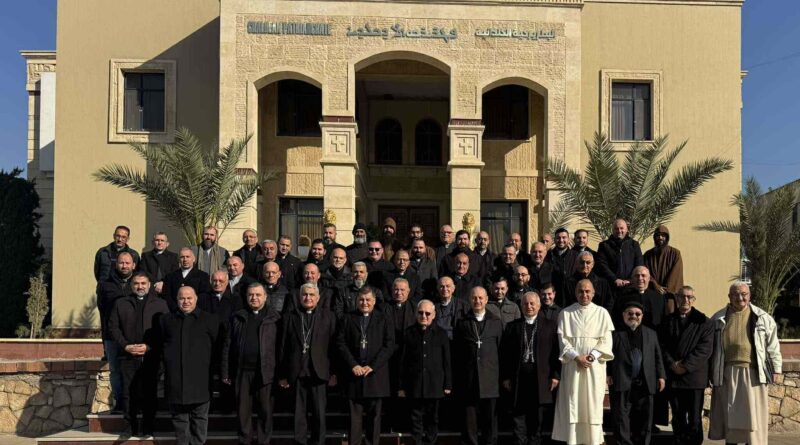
515,34
296,28
395,32
398,32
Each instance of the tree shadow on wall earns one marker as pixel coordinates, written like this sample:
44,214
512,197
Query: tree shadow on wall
84,319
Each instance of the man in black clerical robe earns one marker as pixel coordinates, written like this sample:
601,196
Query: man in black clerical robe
425,373
304,367
530,369
476,343
365,342
400,311
249,361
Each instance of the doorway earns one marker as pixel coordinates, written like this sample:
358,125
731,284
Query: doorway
404,216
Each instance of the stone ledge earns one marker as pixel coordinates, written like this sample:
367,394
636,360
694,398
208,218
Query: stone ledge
59,366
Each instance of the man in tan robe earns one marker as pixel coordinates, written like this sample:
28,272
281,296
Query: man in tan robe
584,332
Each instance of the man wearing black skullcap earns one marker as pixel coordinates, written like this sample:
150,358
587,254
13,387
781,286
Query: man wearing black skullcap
358,250
634,376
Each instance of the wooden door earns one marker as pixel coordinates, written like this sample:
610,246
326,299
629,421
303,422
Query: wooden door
404,216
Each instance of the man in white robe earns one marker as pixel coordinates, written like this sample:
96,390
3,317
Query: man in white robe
584,331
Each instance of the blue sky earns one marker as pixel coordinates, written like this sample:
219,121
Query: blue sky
770,51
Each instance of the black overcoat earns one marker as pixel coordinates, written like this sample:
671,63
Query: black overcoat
652,363
548,366
380,346
188,342
126,328
322,342
233,351
196,279
151,261
477,373
425,370
692,346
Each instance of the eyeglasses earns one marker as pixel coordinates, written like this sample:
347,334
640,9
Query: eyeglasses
424,314
586,262
634,314
375,249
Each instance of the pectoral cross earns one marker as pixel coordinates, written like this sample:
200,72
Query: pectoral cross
305,348
479,342
528,357
363,343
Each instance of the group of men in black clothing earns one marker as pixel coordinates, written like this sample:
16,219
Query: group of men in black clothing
405,325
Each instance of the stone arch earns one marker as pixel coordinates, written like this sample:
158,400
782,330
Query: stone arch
538,86
381,55
258,82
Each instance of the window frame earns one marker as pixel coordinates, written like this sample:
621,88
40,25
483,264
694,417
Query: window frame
313,131
118,68
523,219
376,140
514,100
295,239
607,80
429,137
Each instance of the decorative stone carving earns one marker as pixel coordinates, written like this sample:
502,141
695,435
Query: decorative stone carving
329,217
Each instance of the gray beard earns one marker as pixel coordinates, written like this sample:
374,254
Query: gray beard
360,239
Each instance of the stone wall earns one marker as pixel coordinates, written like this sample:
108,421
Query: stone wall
784,402
45,397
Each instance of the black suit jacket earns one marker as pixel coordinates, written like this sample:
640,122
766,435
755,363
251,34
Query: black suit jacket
240,290
464,286
425,367
478,375
654,304
151,262
290,265
692,345
652,364
196,279
322,342
380,347
546,353
126,328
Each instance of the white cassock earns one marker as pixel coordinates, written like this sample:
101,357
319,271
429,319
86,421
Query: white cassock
582,330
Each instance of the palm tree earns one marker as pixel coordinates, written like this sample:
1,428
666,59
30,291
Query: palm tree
769,242
192,186
636,189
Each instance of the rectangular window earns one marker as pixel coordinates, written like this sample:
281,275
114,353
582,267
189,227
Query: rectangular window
143,107
301,221
502,218
299,108
505,113
631,112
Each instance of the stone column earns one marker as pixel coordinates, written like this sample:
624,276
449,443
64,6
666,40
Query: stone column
339,166
465,165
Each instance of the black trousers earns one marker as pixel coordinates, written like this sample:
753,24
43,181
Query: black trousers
480,413
371,407
424,420
190,423
309,390
632,408
139,391
250,392
687,416
527,414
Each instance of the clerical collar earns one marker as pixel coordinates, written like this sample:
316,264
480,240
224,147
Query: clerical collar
235,280
309,311
158,252
365,314
482,252
219,296
255,312
185,272
399,304
446,302
140,298
530,320
633,329
480,316
641,291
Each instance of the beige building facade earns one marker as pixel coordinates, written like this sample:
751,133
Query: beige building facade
427,111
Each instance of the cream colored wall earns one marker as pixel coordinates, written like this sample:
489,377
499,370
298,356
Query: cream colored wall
90,34
698,49
294,159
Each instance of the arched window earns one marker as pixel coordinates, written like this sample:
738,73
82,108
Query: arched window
428,143
505,113
388,142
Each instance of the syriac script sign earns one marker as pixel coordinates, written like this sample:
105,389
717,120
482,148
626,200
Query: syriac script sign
394,32
398,32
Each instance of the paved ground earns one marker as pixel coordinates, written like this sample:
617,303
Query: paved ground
775,439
